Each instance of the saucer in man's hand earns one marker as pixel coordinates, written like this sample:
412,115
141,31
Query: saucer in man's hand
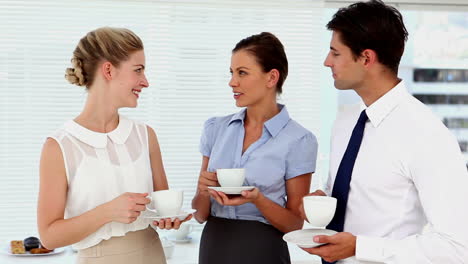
305,238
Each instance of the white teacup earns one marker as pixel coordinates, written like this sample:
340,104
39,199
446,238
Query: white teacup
183,231
319,210
230,177
166,202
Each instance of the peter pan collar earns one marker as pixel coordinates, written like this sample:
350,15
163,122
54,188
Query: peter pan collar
99,140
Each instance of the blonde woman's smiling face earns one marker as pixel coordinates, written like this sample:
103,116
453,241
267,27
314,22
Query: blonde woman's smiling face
130,79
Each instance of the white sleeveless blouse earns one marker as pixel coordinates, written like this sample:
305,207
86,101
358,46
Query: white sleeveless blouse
102,166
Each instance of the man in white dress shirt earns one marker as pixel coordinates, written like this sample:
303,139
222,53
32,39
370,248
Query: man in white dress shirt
408,172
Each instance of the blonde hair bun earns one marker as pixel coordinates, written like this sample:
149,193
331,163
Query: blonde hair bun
75,75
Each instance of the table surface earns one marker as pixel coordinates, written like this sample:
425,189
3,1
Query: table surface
184,253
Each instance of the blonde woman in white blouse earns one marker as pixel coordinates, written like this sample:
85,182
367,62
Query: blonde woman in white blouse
97,169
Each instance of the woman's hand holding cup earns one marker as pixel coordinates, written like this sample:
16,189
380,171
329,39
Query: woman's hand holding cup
207,179
127,207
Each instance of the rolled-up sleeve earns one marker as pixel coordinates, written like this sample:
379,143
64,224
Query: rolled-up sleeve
302,156
207,138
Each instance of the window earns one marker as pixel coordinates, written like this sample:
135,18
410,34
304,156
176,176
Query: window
456,122
440,75
442,99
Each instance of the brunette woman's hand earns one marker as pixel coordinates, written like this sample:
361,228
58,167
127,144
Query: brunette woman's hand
252,196
205,180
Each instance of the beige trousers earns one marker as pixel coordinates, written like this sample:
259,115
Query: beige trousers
139,247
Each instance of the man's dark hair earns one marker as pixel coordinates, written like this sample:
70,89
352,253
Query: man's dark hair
372,25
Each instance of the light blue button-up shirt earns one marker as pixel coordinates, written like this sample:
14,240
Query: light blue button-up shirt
285,150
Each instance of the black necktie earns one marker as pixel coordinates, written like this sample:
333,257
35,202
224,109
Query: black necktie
343,176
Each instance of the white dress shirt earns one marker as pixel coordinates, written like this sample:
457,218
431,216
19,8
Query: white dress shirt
409,172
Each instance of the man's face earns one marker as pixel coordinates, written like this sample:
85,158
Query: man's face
348,72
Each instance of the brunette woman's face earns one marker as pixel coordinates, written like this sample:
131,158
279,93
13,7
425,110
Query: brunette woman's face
249,82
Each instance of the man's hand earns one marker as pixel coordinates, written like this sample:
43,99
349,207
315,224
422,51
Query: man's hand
339,246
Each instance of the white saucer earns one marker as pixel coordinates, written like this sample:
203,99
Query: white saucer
232,190
187,239
181,216
305,238
6,251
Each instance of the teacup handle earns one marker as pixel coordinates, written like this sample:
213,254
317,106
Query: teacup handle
150,209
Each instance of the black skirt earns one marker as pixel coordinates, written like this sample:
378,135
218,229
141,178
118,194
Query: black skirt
226,241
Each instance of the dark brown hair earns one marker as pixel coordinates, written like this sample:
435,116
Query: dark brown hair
372,25
269,53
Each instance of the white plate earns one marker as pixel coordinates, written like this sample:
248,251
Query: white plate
184,240
156,217
232,190
305,238
6,251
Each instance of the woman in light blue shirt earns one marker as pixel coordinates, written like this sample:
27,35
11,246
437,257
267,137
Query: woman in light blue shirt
278,155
